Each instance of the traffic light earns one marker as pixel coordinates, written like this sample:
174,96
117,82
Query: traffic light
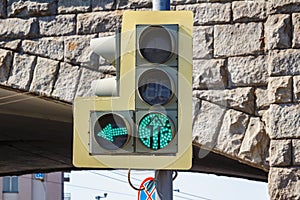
156,79
147,124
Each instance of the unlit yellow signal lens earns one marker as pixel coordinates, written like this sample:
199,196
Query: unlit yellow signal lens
155,87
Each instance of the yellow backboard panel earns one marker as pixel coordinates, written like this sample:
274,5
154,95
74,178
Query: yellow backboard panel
126,99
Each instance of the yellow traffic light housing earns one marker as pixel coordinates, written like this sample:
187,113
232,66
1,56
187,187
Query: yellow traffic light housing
148,125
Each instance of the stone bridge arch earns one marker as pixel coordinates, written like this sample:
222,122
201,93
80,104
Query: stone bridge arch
246,70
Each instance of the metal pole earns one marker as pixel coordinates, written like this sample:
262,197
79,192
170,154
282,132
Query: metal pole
161,4
164,184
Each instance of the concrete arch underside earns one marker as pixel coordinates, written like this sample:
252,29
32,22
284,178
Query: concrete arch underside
36,135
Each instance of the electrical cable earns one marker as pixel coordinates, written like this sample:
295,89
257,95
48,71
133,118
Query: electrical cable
129,181
194,196
125,175
176,174
89,188
135,188
107,176
131,185
183,197
82,187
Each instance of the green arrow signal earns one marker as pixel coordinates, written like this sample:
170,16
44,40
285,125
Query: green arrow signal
155,131
109,133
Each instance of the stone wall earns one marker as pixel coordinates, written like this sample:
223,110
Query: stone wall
246,77
246,85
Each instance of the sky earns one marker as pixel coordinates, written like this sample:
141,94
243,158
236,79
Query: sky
86,185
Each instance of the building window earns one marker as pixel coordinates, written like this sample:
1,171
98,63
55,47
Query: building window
10,184
67,196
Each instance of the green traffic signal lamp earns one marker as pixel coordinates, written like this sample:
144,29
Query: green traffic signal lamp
111,132
155,130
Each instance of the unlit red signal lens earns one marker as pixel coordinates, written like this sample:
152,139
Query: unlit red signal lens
156,44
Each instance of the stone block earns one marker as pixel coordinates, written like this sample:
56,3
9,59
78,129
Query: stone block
66,84
74,6
133,4
22,71
3,8
248,10
21,8
241,99
207,120
284,62
296,152
296,30
44,75
265,117
57,25
280,89
12,44
47,47
284,183
78,51
296,87
203,42
284,121
237,39
280,153
84,85
262,100
232,132
248,71
255,143
14,28
6,58
283,6
209,74
96,22
183,2
278,32
209,13
212,1
103,5
107,69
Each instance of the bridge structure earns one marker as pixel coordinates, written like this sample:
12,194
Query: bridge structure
246,84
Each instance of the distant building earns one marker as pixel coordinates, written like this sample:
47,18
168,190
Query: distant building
33,187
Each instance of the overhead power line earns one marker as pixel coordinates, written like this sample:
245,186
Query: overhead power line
82,187
108,177
120,174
